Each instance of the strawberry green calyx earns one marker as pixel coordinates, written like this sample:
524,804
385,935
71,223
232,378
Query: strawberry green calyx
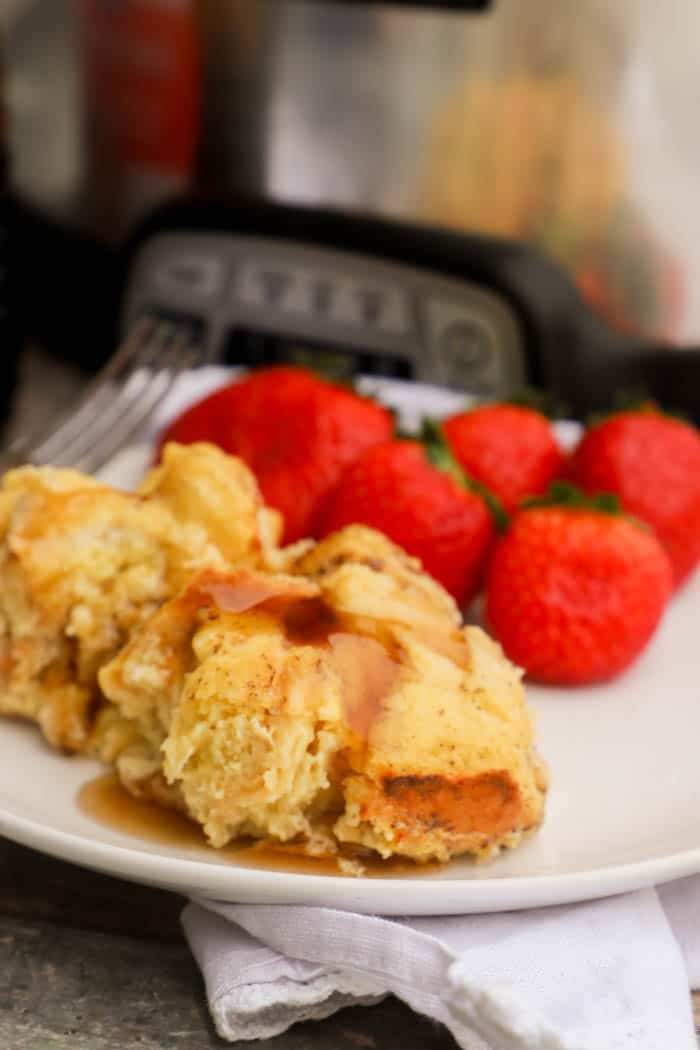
637,402
629,400
439,452
564,494
542,401
440,455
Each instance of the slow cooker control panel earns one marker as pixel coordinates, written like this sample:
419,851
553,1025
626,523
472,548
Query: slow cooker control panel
260,300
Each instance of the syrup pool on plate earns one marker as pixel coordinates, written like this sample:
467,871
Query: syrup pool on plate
105,801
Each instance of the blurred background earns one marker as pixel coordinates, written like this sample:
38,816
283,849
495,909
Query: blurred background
570,125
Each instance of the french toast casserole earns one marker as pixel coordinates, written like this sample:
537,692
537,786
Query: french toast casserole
325,694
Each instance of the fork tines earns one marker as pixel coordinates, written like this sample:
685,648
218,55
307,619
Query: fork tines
116,404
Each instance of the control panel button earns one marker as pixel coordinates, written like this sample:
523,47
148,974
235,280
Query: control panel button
381,308
466,346
199,276
274,285
321,297
371,302
471,347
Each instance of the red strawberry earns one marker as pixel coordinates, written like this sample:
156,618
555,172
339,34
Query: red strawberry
296,431
652,463
395,488
575,593
509,448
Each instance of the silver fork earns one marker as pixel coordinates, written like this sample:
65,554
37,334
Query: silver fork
116,404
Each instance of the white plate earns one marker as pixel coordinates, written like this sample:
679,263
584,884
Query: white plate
622,811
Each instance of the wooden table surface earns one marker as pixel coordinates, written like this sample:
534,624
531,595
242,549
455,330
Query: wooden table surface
92,963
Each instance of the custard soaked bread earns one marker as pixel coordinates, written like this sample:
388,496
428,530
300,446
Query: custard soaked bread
82,564
336,703
324,694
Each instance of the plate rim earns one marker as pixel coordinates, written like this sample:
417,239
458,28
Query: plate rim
429,896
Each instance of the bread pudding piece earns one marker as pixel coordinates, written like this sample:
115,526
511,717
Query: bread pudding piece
361,573
280,711
204,486
82,564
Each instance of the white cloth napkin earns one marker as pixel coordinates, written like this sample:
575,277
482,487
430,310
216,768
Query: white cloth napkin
604,975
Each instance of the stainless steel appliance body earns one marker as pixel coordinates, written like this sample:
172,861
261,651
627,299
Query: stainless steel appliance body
566,124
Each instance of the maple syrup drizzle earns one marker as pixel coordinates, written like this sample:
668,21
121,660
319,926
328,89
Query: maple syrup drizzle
367,671
368,675
241,590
